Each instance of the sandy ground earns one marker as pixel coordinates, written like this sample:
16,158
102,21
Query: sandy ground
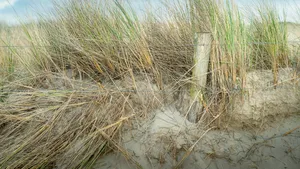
164,140
293,32
261,100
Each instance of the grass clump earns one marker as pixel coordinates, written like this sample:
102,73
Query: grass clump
229,56
103,39
270,32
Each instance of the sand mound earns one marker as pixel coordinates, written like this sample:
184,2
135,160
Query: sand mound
160,137
262,99
164,140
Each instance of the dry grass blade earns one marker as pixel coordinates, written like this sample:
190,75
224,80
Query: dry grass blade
291,131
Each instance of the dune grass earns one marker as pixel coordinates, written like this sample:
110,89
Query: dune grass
272,35
111,49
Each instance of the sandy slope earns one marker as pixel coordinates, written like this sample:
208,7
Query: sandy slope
162,141
293,32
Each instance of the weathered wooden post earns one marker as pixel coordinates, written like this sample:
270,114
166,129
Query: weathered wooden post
201,61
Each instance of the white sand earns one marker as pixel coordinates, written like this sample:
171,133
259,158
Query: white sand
261,99
162,141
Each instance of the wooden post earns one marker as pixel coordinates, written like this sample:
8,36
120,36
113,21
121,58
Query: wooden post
201,60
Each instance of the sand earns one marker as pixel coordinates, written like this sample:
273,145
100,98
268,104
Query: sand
261,100
163,140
